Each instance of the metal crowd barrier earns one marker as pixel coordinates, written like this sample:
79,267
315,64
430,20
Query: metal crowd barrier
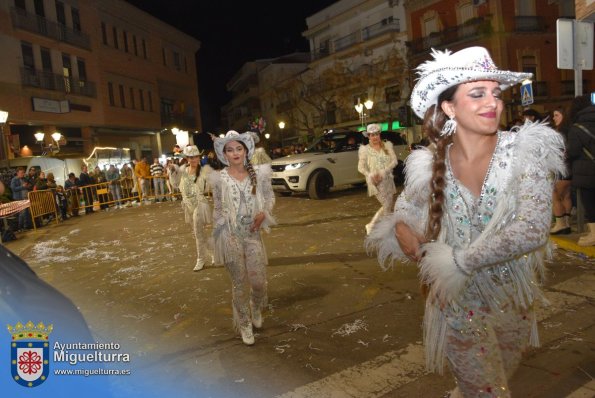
42,203
96,196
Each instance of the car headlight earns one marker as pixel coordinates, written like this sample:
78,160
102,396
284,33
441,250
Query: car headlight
295,166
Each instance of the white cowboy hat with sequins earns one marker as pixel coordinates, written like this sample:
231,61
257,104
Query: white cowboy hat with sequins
448,69
191,150
233,135
373,128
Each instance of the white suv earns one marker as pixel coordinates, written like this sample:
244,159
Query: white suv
329,162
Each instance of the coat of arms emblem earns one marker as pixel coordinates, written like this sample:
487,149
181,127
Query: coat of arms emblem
30,353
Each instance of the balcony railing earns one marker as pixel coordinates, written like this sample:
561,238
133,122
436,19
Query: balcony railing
367,33
567,87
40,25
471,29
529,24
346,41
387,25
320,53
52,81
180,121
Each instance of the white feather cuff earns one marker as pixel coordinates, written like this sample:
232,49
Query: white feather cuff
439,269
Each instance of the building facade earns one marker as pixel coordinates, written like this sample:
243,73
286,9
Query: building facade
520,35
101,73
357,53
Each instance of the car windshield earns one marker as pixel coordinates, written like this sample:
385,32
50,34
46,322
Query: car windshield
329,143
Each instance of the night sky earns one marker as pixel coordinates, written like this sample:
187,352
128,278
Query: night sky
232,33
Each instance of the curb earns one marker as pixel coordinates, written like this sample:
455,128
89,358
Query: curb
568,243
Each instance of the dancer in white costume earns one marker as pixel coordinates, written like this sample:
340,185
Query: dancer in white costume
475,213
376,163
197,210
243,203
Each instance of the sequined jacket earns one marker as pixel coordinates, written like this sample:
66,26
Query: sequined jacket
372,162
494,244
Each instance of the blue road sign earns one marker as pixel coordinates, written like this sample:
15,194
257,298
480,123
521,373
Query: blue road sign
526,94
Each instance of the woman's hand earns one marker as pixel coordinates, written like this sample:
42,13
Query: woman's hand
376,179
409,241
258,219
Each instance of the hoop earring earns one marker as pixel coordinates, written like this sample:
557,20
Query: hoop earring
450,127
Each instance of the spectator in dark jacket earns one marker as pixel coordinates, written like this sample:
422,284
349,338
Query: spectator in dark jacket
85,180
581,152
20,188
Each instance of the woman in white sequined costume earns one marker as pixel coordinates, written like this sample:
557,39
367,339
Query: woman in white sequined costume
243,203
197,210
376,162
475,214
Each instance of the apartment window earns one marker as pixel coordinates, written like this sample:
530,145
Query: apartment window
115,34
104,33
60,14
177,63
150,101
20,5
125,34
525,8
134,45
76,20
163,56
110,93
122,96
529,65
567,9
66,71
46,60
82,67
142,99
27,51
132,102
39,10
144,49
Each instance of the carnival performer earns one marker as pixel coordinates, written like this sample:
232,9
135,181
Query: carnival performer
197,209
260,154
376,163
475,214
243,203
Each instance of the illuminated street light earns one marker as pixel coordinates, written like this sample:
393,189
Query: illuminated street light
281,125
39,136
359,108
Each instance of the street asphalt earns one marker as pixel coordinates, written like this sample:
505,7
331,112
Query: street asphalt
336,324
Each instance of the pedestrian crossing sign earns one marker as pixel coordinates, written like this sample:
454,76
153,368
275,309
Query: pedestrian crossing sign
526,94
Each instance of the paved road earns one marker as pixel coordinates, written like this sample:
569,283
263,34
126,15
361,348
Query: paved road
336,325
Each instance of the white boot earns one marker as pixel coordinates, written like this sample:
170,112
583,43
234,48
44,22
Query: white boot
561,227
256,316
199,265
247,334
589,239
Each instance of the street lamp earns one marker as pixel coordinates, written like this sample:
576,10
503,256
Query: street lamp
361,110
281,127
3,144
56,136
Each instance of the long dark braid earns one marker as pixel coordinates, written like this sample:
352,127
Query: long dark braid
250,169
197,172
252,174
433,121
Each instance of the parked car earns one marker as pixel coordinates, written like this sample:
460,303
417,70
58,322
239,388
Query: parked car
329,162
